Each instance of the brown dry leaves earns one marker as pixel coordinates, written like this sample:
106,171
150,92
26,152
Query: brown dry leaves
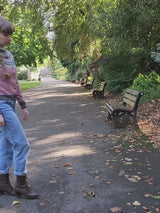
149,120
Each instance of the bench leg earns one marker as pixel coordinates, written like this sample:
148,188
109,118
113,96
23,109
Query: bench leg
122,120
117,121
109,117
126,118
134,121
98,94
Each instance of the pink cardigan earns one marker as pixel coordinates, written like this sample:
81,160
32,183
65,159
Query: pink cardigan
10,87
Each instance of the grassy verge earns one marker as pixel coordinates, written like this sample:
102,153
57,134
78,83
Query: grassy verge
26,85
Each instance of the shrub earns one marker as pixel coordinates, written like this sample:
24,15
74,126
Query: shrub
22,75
149,85
119,71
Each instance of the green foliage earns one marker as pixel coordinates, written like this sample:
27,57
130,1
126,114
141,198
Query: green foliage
60,73
156,55
22,75
119,71
76,26
133,26
134,23
149,85
75,68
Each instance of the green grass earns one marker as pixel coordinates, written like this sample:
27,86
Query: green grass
26,85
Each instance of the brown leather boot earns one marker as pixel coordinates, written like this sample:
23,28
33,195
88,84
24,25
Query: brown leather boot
22,188
5,185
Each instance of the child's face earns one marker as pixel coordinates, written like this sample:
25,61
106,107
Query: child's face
5,39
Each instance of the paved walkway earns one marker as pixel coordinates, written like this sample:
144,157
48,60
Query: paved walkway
77,163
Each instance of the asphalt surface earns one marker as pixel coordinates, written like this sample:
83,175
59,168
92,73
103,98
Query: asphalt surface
77,163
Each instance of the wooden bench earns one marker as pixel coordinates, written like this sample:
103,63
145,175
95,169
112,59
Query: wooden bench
99,93
89,84
83,81
125,111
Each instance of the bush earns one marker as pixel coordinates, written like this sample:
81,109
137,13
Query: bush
22,75
149,85
119,71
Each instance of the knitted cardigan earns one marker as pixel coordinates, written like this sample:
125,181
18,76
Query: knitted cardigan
10,88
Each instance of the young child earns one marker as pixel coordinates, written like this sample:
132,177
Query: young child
14,146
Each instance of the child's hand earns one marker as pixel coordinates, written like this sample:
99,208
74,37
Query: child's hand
1,120
25,114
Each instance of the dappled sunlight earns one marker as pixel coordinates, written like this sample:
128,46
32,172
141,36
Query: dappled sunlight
70,151
73,94
69,85
58,94
47,91
58,137
58,83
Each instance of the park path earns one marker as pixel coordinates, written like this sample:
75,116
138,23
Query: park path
76,162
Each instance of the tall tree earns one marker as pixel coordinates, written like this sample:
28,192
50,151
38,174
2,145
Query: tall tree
30,44
77,28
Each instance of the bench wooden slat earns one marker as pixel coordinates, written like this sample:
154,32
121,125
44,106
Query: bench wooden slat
134,92
130,97
109,107
128,102
114,107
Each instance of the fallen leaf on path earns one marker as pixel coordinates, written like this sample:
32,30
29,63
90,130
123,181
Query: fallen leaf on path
147,195
94,136
116,209
61,193
117,151
71,173
127,163
128,159
132,180
122,172
108,182
156,197
145,208
136,203
66,164
52,181
15,202
42,204
90,193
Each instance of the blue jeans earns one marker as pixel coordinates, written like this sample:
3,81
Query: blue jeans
14,146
